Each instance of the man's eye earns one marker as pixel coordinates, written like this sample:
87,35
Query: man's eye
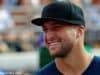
45,30
58,27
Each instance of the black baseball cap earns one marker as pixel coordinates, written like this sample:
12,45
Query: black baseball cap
61,11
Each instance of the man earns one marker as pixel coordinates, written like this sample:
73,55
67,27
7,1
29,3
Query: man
64,29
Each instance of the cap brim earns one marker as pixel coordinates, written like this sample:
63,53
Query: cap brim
40,21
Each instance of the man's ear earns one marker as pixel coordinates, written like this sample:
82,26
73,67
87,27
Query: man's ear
80,30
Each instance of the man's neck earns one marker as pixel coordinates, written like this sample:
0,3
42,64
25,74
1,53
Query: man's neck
74,64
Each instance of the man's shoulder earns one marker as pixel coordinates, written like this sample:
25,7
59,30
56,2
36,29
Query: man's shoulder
94,67
97,61
48,69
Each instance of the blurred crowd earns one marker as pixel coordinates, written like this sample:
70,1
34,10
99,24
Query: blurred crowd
17,41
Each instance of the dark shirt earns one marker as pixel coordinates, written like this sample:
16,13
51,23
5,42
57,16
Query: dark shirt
93,69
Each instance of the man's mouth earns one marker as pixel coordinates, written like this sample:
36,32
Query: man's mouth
54,44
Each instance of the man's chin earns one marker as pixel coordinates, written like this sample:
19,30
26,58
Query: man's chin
57,55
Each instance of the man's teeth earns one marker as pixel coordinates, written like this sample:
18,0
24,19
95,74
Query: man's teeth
55,43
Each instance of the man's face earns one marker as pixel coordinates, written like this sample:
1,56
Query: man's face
59,38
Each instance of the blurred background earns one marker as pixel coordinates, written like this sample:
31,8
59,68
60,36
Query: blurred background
22,50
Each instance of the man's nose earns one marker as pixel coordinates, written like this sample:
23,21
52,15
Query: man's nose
50,35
